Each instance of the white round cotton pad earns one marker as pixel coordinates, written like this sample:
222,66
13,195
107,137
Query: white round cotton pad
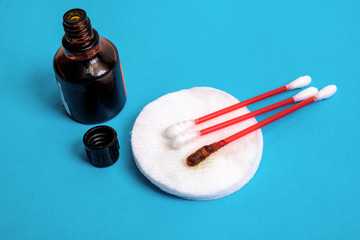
223,173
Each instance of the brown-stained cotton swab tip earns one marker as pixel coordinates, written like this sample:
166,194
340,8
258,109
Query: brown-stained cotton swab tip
202,153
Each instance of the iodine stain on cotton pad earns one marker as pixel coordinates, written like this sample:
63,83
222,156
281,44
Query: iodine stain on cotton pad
221,174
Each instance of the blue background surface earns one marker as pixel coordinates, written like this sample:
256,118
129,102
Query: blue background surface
307,185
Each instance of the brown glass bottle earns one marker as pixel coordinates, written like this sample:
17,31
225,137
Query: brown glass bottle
88,72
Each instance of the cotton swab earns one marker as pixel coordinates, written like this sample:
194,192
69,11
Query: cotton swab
177,128
186,137
202,153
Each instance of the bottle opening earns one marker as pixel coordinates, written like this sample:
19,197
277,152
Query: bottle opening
74,15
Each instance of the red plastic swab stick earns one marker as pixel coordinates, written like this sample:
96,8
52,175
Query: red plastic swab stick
240,105
183,138
202,153
268,120
177,128
246,116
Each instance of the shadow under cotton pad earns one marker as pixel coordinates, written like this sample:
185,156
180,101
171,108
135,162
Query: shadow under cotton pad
223,173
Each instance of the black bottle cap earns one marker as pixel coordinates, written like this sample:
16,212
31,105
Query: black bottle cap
101,145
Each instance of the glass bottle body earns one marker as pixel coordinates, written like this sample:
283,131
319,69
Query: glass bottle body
91,82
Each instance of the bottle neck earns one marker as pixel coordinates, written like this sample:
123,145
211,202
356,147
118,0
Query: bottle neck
79,34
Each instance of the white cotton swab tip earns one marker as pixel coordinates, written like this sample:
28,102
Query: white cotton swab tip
299,83
184,138
309,92
326,92
178,128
